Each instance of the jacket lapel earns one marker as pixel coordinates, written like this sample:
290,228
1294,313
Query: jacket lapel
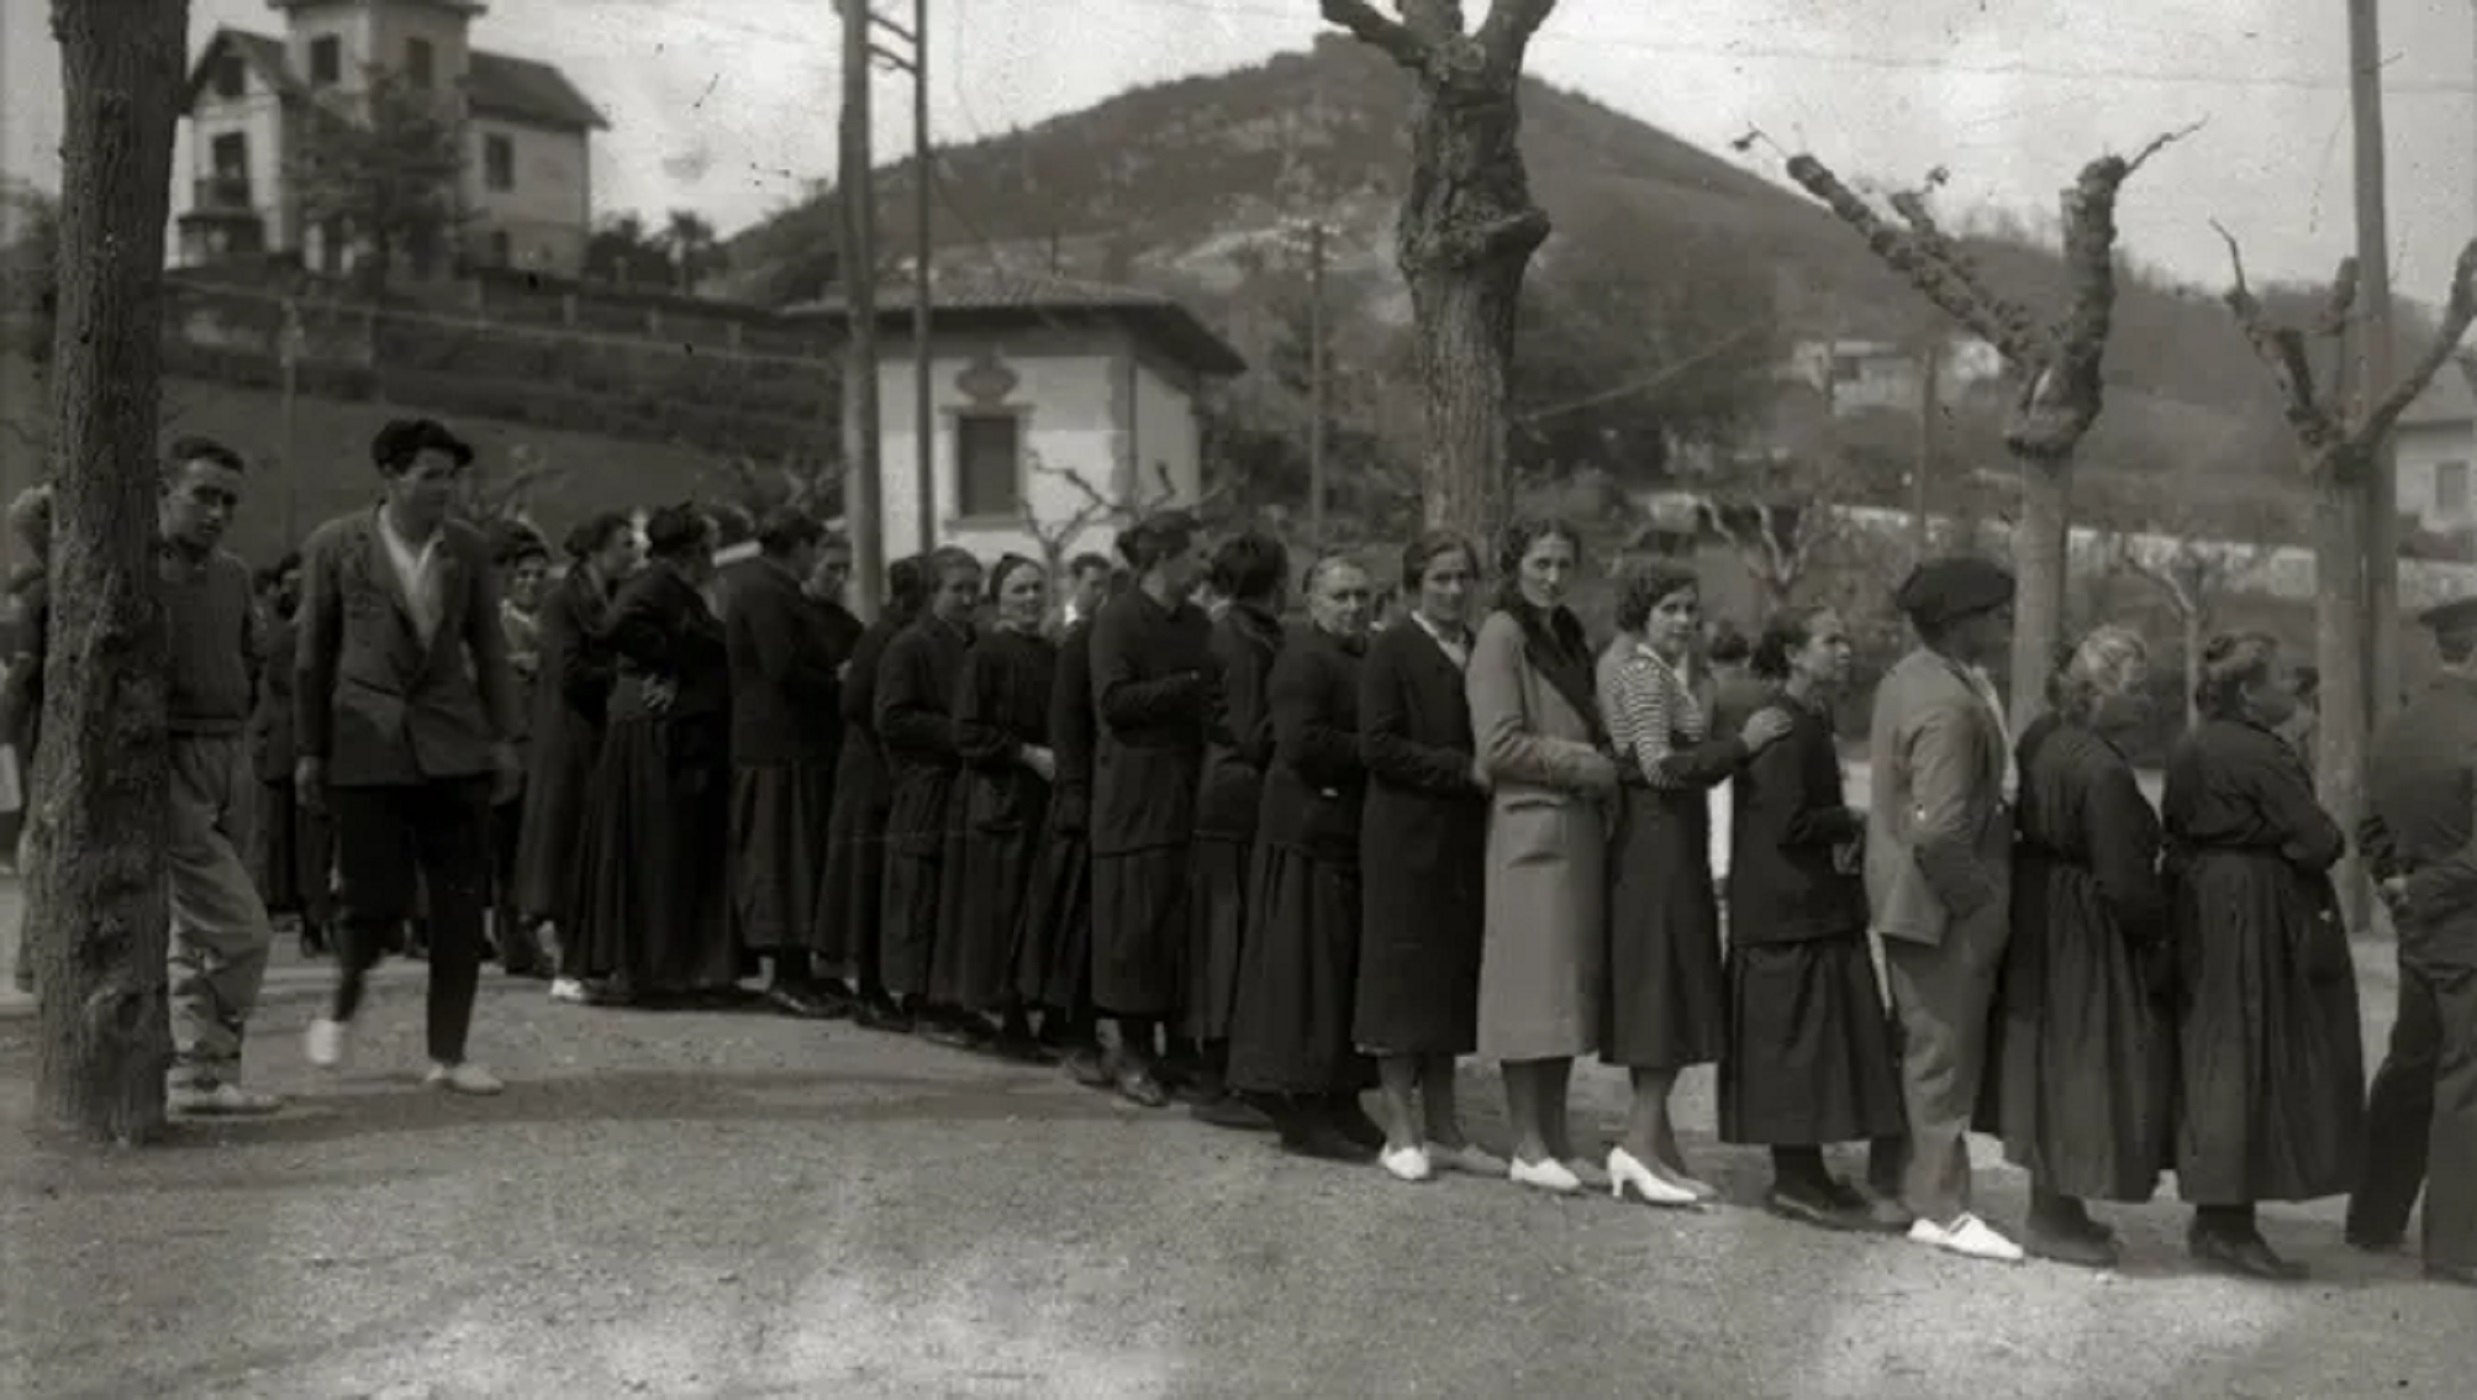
378,571
452,578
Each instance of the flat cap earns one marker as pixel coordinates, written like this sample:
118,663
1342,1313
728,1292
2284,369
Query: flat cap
403,439
2453,619
1943,590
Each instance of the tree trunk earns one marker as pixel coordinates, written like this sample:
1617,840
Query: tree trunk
2041,561
2339,650
1467,234
100,920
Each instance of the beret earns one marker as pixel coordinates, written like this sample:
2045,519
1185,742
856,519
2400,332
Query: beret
1939,591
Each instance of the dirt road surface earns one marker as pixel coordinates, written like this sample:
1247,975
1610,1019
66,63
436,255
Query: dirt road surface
741,1205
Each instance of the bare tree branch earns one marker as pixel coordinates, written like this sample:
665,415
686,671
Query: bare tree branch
2090,248
2160,143
1931,275
1507,31
2458,313
1911,205
2283,350
2343,300
1375,27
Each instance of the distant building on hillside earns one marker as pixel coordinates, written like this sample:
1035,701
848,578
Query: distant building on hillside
1052,401
1855,375
2435,445
527,189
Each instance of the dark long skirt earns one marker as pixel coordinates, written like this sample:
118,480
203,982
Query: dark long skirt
559,774
851,899
779,816
1219,875
1290,1033
919,830
2271,1091
1810,1053
988,870
1139,931
1053,938
1664,1002
1421,927
652,903
296,856
2081,1065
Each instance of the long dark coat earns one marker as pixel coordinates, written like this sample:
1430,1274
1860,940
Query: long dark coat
2270,1103
1238,749
785,722
916,687
1001,706
1053,946
1423,848
2081,1061
851,899
571,703
1151,688
653,909
1298,974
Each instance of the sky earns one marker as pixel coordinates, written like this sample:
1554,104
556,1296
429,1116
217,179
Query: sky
729,106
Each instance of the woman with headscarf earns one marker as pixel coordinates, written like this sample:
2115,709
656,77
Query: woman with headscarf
1152,671
1423,843
571,703
1808,1056
2270,1100
853,894
1250,570
1290,1043
2080,1062
1002,734
1544,753
1663,1006
652,914
523,558
915,719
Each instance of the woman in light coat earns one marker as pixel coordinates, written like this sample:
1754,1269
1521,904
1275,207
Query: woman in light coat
1542,751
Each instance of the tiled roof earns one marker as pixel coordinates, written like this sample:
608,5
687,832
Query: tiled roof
498,84
1029,297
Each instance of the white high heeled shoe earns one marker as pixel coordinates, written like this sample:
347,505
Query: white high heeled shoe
1548,1174
1626,1171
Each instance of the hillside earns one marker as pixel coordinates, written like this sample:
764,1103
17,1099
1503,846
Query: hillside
1185,186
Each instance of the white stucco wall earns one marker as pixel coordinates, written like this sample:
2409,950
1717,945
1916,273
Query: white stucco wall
548,212
1166,436
2420,450
258,116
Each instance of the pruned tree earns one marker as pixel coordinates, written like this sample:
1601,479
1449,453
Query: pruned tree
1778,541
383,164
694,252
2340,436
1467,231
2191,558
1058,535
98,917
2056,364
799,481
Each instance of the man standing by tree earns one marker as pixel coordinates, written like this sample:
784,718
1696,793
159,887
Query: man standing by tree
405,708
220,932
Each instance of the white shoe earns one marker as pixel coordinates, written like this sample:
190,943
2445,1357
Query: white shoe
1548,1175
325,1043
569,990
1407,1164
1468,1159
464,1078
1969,1237
1627,1172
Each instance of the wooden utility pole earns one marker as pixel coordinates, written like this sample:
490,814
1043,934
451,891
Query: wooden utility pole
924,442
99,919
1930,365
1316,383
862,510
2374,359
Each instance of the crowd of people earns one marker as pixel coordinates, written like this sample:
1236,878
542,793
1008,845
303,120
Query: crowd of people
1201,845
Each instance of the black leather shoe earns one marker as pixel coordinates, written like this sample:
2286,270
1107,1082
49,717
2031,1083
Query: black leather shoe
1875,1213
2083,1249
1311,1135
1137,1086
2376,1244
2248,1257
1810,1207
1352,1121
1232,1112
796,1001
1085,1066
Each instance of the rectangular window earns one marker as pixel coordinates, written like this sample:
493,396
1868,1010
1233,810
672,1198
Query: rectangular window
420,66
501,251
326,61
231,76
499,162
2451,490
988,467
232,156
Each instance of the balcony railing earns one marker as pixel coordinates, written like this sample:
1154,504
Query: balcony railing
223,194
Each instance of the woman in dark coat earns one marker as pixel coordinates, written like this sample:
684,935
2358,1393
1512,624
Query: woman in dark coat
2270,1103
1808,1058
651,913
851,913
1053,949
915,717
1250,571
1664,1005
2081,1063
1152,689
1423,843
1002,733
1290,1041
571,703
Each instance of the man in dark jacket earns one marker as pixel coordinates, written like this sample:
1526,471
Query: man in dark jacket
404,715
2420,838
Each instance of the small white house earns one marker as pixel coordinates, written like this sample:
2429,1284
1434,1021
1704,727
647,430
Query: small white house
1854,375
1053,403
2433,448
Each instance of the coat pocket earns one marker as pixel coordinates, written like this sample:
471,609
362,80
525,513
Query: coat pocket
1533,830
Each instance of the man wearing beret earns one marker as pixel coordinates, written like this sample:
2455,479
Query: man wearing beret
2420,842
1938,878
405,717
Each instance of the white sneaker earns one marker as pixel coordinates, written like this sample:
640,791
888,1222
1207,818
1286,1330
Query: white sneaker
569,990
1407,1164
1548,1174
325,1043
464,1078
1969,1237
